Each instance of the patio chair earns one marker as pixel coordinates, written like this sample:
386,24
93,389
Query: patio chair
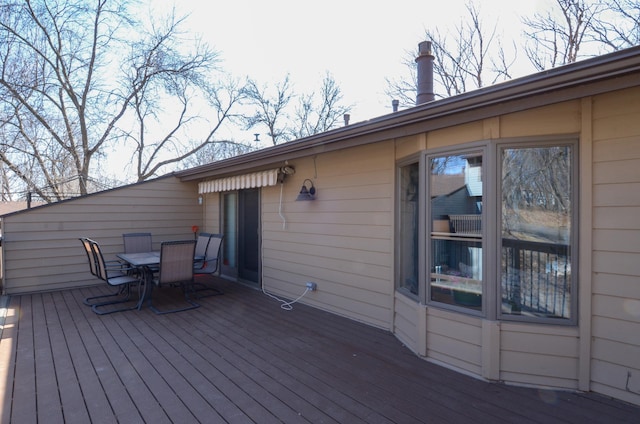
93,268
176,269
86,244
209,266
137,242
201,250
115,275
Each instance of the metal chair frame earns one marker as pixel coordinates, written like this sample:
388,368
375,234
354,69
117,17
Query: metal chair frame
115,274
200,254
210,265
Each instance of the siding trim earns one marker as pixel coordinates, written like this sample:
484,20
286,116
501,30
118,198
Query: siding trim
585,223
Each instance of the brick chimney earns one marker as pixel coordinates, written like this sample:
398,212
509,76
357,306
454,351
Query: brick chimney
425,73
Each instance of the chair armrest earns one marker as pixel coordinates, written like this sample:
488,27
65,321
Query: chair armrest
118,266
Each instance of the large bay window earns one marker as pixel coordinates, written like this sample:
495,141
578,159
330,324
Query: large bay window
498,239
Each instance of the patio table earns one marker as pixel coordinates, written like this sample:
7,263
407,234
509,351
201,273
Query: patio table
144,259
145,262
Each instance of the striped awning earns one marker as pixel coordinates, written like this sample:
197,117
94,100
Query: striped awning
239,182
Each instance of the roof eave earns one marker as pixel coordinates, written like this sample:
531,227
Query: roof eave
559,84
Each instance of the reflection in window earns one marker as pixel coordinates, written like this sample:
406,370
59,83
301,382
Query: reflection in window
536,231
455,186
409,183
230,227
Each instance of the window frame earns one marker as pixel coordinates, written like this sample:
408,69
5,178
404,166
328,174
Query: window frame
472,148
573,142
416,158
491,151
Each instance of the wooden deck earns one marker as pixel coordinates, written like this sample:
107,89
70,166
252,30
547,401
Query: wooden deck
240,358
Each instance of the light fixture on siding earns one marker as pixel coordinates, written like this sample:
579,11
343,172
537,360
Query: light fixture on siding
307,193
284,171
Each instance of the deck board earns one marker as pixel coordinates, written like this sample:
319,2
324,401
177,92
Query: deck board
24,384
54,366
240,358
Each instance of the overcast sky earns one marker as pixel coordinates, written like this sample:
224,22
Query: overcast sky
360,42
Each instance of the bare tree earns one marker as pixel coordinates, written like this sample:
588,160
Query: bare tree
558,36
469,57
619,24
76,77
218,151
186,132
403,89
270,107
314,115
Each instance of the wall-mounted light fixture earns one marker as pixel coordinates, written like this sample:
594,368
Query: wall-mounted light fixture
288,170
284,171
307,193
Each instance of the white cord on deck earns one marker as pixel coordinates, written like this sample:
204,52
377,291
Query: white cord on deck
287,306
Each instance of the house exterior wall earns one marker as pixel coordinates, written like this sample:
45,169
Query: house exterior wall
601,353
343,240
468,343
407,322
615,365
41,250
211,213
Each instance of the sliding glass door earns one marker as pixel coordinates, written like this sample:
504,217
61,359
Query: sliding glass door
241,226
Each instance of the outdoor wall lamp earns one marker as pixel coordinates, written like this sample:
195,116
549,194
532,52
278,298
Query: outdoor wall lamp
307,193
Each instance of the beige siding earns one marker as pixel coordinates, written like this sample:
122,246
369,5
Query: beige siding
550,355
504,352
342,240
406,321
407,146
541,355
211,212
562,118
544,355
473,131
616,245
41,248
455,340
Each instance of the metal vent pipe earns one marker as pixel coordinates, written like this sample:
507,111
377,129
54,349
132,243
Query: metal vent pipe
425,73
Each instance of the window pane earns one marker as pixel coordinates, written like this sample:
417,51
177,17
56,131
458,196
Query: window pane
536,231
230,227
409,182
455,184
